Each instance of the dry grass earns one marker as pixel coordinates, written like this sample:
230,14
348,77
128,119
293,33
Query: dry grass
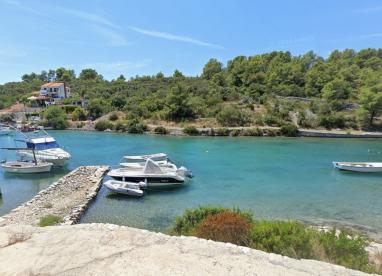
19,236
377,262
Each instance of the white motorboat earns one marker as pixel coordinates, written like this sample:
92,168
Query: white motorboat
139,161
126,188
26,167
151,173
35,166
359,166
46,149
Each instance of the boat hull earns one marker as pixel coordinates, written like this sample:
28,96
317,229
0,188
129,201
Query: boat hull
15,168
359,167
56,161
152,182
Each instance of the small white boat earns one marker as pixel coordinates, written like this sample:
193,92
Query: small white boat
359,166
26,167
126,188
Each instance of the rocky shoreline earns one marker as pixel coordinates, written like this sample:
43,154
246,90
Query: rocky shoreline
252,131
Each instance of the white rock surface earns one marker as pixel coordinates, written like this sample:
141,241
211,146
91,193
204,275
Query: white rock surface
102,249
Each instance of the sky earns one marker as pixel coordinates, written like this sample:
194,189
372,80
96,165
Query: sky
144,37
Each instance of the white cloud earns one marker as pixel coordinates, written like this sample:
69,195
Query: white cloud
90,17
23,7
113,38
173,37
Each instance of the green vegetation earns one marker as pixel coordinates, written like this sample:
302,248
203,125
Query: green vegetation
191,130
341,91
55,117
289,238
160,130
50,220
78,114
102,125
289,130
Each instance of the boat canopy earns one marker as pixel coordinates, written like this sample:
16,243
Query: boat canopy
152,168
145,157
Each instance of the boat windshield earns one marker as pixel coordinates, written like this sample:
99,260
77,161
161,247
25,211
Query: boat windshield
43,145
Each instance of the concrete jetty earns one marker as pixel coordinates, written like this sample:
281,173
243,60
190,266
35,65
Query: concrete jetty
67,198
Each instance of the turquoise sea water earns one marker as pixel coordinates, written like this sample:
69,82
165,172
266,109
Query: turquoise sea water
276,178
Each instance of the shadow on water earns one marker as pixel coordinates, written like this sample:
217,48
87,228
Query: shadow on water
37,176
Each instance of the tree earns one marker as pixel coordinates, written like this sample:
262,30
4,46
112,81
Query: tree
177,74
51,75
118,101
337,89
65,75
212,67
371,102
78,114
179,107
88,74
96,108
55,117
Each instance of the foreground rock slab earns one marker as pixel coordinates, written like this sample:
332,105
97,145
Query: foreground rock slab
67,198
105,249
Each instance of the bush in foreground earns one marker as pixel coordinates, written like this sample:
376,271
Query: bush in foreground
50,220
225,226
288,238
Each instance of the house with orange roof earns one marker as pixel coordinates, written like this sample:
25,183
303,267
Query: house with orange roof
54,91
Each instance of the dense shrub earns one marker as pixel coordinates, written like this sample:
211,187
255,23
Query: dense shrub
289,238
235,132
222,132
102,125
160,130
253,132
55,117
271,132
289,130
113,116
233,116
135,126
332,121
225,226
186,224
272,120
79,114
121,126
191,130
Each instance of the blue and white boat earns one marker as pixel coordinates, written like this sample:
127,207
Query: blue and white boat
46,149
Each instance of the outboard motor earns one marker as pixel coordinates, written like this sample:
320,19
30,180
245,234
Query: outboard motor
183,171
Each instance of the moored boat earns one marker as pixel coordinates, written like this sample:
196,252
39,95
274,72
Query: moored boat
161,159
26,167
151,173
359,166
126,188
46,149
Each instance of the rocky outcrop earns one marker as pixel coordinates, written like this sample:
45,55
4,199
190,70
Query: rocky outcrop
67,198
104,249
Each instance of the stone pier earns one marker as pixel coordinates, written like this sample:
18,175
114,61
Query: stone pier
67,198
